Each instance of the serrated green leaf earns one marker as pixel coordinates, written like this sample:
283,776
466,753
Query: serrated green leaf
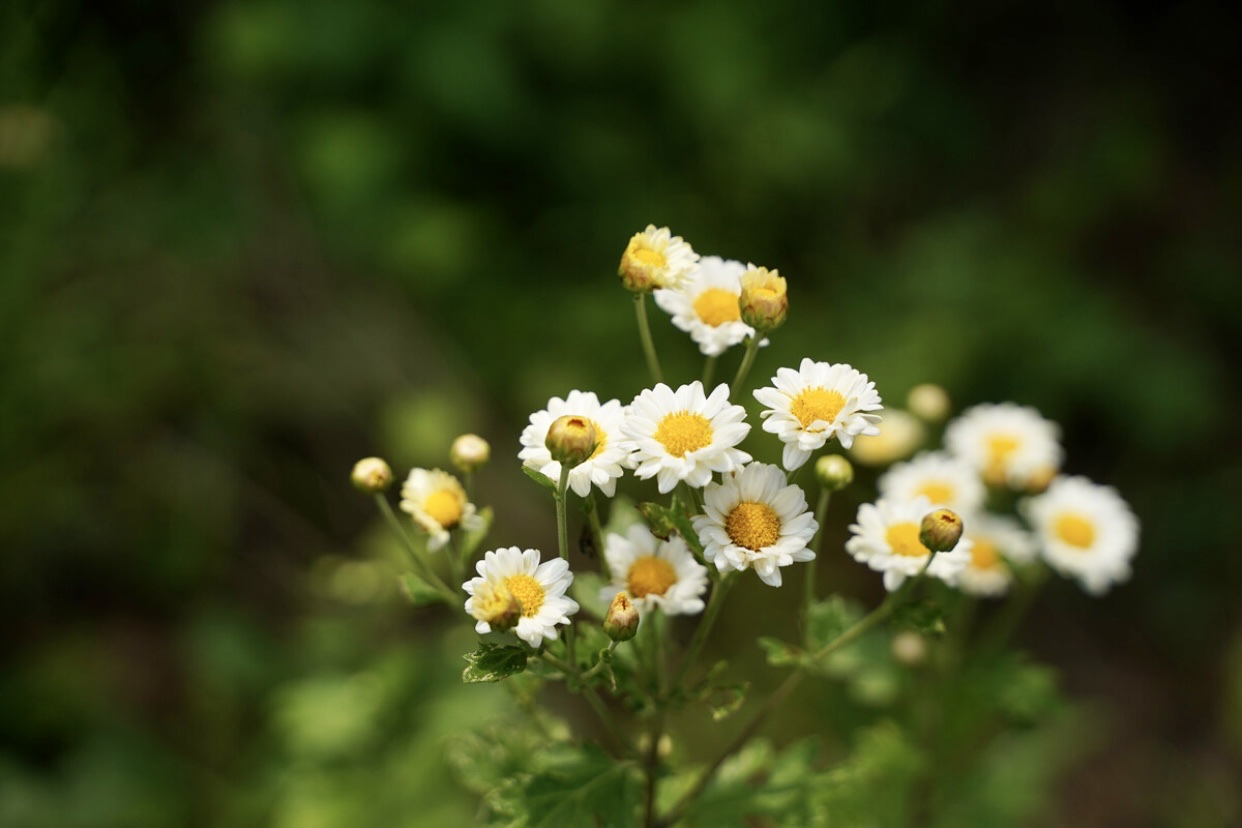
923,617
418,592
540,478
781,654
587,788
493,662
471,539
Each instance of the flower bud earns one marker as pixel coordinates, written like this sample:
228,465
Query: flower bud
941,530
763,302
834,472
928,402
655,258
469,452
909,648
496,605
571,440
621,623
371,475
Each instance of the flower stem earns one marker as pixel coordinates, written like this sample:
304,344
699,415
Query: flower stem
422,567
562,543
597,531
644,333
700,634
593,699
752,348
821,509
709,368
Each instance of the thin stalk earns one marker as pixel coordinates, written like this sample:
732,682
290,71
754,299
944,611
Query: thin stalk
821,509
709,369
593,699
644,334
597,531
422,567
562,543
700,634
752,348
651,762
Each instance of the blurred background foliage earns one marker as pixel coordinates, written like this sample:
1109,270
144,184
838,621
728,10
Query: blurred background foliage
243,244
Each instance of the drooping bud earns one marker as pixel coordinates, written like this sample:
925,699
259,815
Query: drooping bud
495,604
621,623
469,452
941,530
371,475
929,402
571,440
764,301
834,472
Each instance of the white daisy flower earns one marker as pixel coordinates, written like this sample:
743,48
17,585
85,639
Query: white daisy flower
940,477
900,435
706,306
655,258
1086,531
886,538
539,587
654,573
683,435
1008,444
438,503
753,519
996,542
604,465
809,406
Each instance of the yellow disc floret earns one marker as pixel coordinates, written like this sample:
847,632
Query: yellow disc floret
650,575
684,432
903,539
983,555
753,525
816,404
716,306
527,590
1075,530
445,507
937,491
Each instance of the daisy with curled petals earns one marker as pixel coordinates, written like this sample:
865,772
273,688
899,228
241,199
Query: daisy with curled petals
437,502
1086,531
941,478
996,543
706,306
654,573
1007,444
538,587
807,407
604,465
754,519
886,538
684,435
655,258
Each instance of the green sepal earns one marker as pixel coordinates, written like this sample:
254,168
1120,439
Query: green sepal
923,617
540,478
493,662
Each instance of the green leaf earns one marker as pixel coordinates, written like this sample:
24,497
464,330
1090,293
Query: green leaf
493,662
828,619
417,591
726,699
583,786
540,478
781,654
471,539
873,786
923,617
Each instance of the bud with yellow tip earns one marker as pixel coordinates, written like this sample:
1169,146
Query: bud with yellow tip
764,302
940,530
469,452
371,475
834,472
571,440
621,623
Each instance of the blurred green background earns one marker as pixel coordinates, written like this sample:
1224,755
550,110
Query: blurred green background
244,244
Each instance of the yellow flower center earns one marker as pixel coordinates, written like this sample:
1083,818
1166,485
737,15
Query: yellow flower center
716,306
650,575
983,555
753,525
816,404
1075,530
684,432
445,507
650,258
937,491
903,539
999,447
527,590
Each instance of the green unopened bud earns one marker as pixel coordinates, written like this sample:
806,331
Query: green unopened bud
941,530
764,302
371,475
495,604
571,440
621,623
928,402
469,452
834,472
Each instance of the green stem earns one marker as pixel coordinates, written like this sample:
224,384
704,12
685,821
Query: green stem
821,509
422,567
752,348
709,369
597,531
1008,620
644,334
700,634
562,542
593,699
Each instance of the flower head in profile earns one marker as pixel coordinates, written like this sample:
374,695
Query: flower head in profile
654,259
1085,531
1007,444
807,407
898,436
654,573
997,542
886,538
438,504
764,301
938,476
754,519
706,305
510,574
684,435
604,465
